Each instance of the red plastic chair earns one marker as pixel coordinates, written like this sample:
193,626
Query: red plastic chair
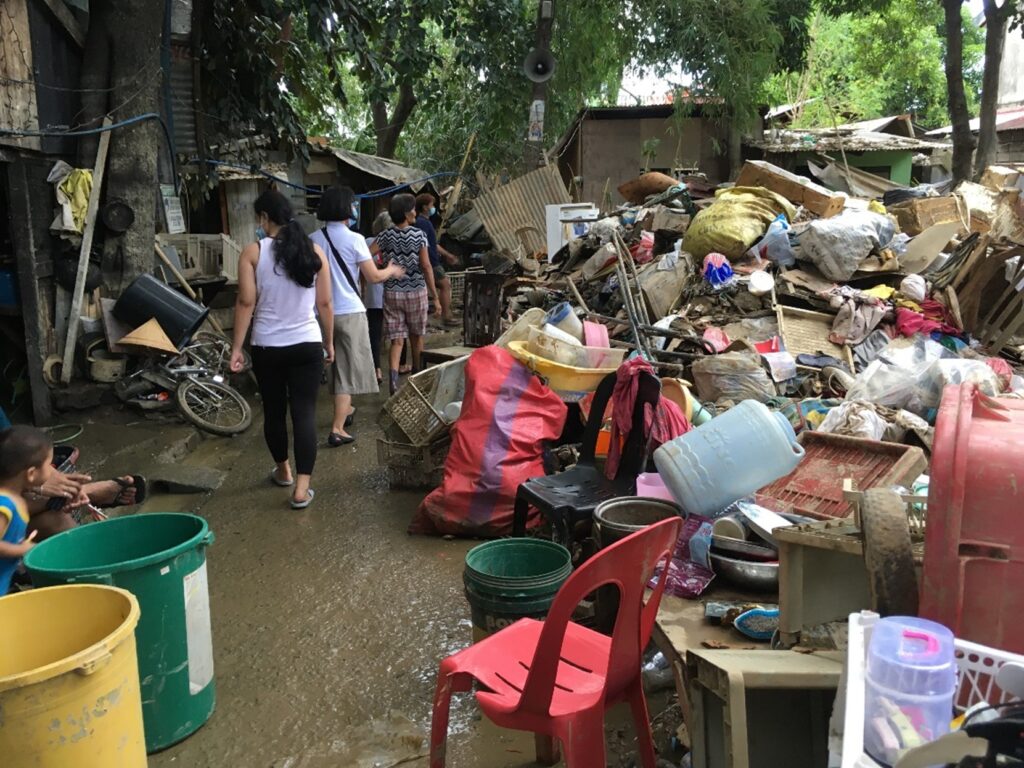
557,678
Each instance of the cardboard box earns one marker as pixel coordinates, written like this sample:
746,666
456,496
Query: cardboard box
797,189
915,216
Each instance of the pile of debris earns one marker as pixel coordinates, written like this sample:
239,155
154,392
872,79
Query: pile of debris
848,315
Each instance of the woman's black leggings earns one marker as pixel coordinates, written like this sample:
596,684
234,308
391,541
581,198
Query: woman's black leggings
289,377
375,319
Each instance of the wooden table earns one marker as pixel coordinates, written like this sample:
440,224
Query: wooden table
681,628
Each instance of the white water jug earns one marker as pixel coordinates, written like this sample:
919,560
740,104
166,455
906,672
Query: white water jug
728,458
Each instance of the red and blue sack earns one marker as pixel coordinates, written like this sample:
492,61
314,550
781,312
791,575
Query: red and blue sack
508,417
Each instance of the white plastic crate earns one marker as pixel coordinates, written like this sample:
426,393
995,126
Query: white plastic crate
977,664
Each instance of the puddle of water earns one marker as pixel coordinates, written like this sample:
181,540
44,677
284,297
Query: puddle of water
382,743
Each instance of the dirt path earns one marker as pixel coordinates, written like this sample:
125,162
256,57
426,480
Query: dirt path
328,624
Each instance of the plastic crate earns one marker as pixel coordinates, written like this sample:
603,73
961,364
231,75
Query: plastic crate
205,254
416,407
413,466
815,487
458,283
976,683
481,313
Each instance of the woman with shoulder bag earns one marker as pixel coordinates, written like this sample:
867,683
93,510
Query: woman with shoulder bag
354,369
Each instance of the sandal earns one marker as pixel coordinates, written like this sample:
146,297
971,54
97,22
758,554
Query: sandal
303,504
351,418
138,482
280,483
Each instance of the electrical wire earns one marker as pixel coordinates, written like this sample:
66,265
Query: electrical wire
103,129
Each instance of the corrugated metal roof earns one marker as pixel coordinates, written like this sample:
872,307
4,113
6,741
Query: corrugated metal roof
381,167
829,140
182,101
1006,120
519,207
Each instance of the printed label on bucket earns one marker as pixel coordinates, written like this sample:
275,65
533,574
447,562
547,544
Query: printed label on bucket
197,630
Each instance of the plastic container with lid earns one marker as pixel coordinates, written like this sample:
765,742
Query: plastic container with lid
911,681
563,317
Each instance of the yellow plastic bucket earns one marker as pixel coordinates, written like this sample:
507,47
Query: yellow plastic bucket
69,679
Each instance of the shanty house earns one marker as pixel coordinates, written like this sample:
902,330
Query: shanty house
887,147
606,145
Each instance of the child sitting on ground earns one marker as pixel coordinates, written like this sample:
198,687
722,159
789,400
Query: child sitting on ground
26,454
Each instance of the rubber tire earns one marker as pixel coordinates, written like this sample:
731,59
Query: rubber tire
215,429
888,553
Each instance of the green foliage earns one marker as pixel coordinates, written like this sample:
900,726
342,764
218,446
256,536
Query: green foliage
878,63
728,47
255,61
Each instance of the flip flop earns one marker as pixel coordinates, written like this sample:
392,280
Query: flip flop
280,483
336,440
758,623
141,492
303,504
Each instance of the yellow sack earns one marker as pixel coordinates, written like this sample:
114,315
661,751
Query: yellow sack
735,221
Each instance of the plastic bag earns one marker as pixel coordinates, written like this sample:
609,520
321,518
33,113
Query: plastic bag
914,288
733,376
718,271
775,245
854,419
838,245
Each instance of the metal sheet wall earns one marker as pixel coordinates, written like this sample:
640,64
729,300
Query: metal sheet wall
519,205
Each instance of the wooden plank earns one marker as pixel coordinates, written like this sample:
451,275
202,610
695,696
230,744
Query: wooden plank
796,189
18,107
83,254
453,200
34,304
67,20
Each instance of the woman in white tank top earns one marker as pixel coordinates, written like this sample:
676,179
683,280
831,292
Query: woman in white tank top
281,280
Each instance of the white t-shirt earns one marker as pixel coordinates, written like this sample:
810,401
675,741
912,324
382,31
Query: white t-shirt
352,249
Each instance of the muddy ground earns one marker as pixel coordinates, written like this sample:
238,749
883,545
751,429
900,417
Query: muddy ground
329,623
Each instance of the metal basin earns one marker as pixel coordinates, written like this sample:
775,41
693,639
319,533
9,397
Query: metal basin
618,518
761,577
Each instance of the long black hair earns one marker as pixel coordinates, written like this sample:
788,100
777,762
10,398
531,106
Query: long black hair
293,251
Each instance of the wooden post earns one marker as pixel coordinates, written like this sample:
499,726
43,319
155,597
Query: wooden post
34,264
83,254
457,191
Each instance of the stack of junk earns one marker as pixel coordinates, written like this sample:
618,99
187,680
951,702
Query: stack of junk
827,388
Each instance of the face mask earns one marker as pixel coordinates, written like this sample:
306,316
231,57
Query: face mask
352,223
433,210
353,219
260,232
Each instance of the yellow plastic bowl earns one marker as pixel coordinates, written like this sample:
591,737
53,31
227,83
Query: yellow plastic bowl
569,382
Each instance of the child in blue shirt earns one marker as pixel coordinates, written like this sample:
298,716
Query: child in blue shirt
26,454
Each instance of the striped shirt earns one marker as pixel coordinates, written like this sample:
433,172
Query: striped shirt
403,246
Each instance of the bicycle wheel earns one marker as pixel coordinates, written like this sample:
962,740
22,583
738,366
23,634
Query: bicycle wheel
216,408
214,351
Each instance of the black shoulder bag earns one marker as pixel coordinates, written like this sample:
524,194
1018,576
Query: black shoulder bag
341,262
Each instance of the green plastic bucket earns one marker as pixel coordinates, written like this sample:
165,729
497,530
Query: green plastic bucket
161,559
511,579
